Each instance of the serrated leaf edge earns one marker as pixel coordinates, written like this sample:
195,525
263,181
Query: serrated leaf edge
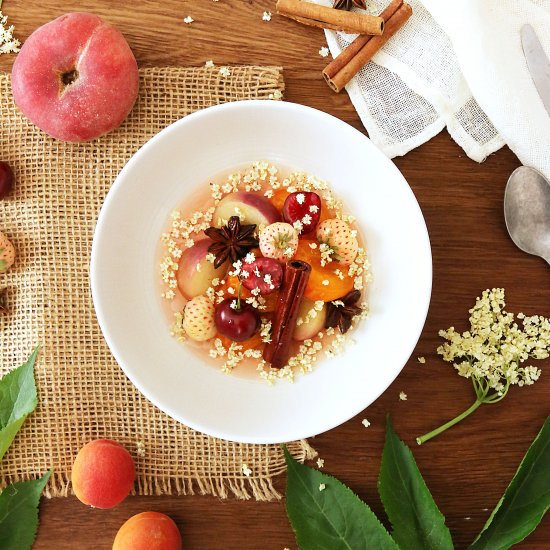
291,462
392,438
545,426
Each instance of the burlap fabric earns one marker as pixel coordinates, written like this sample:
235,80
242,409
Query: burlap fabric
83,394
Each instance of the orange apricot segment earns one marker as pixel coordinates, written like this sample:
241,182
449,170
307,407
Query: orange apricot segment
324,283
279,197
233,282
254,342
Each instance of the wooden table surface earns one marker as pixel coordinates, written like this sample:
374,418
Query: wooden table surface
468,468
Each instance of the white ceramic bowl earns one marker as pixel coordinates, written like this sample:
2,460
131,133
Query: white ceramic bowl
126,294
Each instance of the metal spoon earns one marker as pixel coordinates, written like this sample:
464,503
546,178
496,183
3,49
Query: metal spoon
527,211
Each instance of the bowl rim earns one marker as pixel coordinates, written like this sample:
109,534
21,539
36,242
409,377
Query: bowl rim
107,206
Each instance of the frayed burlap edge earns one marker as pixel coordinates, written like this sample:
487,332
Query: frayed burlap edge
259,488
83,394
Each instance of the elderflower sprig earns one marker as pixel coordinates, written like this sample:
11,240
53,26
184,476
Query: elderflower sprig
491,352
8,43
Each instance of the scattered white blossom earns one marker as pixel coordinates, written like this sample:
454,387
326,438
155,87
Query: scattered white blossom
422,360
140,448
320,462
209,64
246,470
277,94
265,330
188,20
324,51
322,486
298,225
225,72
402,396
365,422
267,16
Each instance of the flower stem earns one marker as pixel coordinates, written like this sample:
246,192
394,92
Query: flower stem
447,425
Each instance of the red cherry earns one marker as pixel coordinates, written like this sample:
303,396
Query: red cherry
257,272
236,323
300,205
6,179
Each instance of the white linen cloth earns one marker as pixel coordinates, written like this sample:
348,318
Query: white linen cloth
460,65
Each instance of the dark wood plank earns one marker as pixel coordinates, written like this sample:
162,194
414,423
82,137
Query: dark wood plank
466,469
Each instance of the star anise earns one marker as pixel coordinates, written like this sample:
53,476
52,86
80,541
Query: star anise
348,4
232,241
3,300
341,312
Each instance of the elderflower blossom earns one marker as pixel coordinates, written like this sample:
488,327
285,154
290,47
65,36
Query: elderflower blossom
8,44
495,346
492,351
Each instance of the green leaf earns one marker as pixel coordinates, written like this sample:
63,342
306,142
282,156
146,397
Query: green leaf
525,500
416,520
19,513
332,519
17,400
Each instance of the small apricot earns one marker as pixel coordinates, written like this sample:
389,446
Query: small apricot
103,473
148,531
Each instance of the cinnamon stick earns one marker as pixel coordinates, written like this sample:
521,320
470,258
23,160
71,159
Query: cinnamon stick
339,62
277,352
315,15
353,62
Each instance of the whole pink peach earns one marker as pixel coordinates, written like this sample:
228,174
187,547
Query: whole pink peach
75,77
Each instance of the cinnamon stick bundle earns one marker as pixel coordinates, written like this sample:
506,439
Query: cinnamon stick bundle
277,352
344,67
315,15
